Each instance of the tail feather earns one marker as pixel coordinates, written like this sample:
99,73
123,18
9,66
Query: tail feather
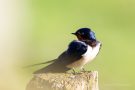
56,67
51,61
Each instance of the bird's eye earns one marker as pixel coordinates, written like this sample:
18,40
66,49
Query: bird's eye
82,33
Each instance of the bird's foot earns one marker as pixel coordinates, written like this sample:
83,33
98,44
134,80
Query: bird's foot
83,70
74,72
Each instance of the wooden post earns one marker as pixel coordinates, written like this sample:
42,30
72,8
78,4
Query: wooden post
64,81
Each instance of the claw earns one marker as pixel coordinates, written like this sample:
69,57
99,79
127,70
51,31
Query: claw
74,72
83,70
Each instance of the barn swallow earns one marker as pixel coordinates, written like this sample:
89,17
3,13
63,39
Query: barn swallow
79,53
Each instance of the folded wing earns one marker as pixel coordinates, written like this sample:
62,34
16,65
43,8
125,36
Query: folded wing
74,52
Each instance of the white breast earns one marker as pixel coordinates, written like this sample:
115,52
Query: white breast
91,53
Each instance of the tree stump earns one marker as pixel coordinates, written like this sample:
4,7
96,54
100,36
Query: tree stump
64,81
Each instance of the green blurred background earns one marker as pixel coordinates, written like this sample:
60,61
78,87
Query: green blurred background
43,32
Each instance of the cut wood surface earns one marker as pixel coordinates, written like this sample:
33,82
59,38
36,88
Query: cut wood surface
64,81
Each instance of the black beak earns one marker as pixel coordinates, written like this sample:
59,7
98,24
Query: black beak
73,33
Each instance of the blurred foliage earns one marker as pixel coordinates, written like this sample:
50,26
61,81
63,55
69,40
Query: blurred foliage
51,23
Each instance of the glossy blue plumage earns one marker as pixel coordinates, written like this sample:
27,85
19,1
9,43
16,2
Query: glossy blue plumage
85,33
77,48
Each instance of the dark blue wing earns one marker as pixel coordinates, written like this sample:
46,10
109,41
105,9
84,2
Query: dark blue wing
74,52
76,48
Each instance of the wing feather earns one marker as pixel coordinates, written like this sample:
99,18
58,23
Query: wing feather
74,52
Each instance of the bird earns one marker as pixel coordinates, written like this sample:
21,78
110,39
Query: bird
79,53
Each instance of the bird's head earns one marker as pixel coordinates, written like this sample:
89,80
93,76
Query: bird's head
85,34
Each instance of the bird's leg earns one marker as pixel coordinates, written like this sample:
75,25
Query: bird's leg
82,69
74,72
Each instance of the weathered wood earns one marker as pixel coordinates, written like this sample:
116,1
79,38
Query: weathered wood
64,81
